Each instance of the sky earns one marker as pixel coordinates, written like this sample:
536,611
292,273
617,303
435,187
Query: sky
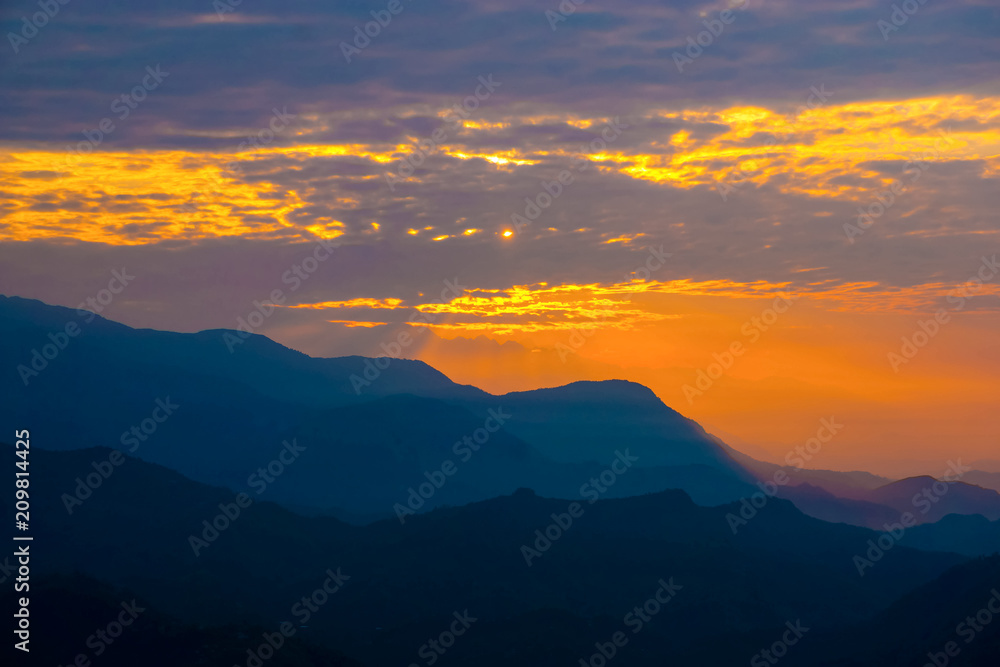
769,212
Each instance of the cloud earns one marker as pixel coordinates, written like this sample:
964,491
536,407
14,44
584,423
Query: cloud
603,59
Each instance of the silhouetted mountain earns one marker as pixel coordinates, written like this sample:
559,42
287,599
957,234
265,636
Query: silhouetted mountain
588,421
68,611
972,535
374,431
406,581
986,465
987,480
925,498
537,577
921,627
854,485
930,499
820,503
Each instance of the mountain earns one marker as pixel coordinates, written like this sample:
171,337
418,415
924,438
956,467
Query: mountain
987,480
986,465
820,503
587,421
853,485
542,522
863,499
372,433
401,584
928,500
949,620
71,608
972,535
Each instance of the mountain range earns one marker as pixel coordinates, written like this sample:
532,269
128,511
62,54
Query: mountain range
402,583
374,431
219,485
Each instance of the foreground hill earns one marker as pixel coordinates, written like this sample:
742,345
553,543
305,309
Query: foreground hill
949,621
67,611
406,581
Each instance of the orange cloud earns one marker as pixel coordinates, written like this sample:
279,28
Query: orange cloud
361,302
354,323
140,196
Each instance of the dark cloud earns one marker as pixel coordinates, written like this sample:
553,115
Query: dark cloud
229,73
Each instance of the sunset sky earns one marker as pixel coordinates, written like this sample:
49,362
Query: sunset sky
588,195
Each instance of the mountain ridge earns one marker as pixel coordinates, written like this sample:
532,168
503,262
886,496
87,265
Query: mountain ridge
237,407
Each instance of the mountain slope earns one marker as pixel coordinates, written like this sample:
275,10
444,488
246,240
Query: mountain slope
71,608
926,499
367,444
917,628
407,580
972,535
589,420
852,485
820,503
987,480
930,499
